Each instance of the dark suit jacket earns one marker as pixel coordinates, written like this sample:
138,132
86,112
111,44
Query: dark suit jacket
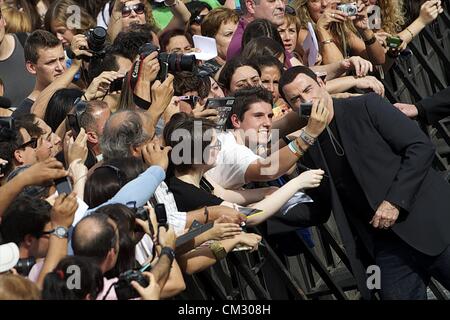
391,159
434,108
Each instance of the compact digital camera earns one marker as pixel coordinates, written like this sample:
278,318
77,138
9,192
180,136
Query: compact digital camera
351,9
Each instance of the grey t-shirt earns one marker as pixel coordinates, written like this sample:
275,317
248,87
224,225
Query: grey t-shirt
18,82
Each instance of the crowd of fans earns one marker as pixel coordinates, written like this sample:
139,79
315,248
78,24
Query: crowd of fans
112,152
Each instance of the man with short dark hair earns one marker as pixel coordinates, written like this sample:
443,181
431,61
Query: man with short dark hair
44,58
391,207
17,147
239,162
27,223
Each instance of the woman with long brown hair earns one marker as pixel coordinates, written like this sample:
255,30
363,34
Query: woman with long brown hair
339,34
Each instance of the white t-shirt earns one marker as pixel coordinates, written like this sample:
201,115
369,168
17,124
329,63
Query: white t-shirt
232,162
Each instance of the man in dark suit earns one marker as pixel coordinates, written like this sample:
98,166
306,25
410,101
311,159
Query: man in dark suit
390,206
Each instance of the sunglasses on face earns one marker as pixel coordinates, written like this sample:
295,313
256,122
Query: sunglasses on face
199,19
137,8
290,11
32,144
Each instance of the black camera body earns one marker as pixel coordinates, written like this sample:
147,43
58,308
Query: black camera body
7,122
23,266
123,288
305,109
96,39
141,213
169,62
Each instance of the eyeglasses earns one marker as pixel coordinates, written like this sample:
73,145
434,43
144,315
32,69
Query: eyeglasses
199,19
138,8
290,11
32,144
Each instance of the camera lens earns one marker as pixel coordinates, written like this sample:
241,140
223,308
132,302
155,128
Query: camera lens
179,62
97,39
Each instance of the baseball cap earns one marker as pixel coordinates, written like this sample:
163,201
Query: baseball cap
9,256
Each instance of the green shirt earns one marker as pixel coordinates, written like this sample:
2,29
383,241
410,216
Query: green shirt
163,15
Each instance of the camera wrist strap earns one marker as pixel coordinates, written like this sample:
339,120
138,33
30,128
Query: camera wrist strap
133,78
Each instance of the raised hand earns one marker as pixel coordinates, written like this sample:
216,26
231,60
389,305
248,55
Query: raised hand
156,155
63,211
318,119
44,171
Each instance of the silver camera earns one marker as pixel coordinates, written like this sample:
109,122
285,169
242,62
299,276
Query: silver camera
351,9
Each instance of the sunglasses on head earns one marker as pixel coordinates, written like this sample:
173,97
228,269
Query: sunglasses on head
290,11
199,19
32,144
138,8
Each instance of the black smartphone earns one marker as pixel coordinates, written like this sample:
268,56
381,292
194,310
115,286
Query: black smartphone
63,185
7,122
161,215
305,109
116,85
73,124
224,107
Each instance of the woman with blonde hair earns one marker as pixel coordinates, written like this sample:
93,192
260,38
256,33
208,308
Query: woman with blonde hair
16,20
60,20
393,20
339,34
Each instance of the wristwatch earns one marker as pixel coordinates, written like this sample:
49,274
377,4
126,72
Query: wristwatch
169,252
307,138
61,232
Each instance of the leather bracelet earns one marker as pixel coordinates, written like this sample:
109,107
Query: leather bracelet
292,147
169,252
302,151
371,41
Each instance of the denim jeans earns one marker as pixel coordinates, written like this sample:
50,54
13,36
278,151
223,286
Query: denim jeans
406,272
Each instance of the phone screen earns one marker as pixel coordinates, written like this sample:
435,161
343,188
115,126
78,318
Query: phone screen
161,216
63,185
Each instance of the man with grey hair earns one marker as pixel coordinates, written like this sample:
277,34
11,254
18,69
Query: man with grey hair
126,134
255,9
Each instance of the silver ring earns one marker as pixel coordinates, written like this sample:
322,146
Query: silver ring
332,15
